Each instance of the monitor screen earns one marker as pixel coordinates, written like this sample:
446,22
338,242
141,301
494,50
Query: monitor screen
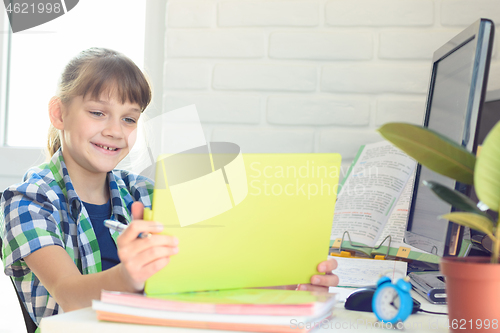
457,89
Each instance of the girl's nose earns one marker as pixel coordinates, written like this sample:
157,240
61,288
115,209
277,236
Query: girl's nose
113,129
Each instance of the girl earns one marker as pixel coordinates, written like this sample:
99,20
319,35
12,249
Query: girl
55,246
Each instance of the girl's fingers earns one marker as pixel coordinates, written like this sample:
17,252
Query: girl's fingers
155,266
143,265
327,266
149,255
136,228
137,210
146,271
320,283
327,280
146,244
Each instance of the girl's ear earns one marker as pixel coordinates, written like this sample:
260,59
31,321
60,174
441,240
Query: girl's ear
55,112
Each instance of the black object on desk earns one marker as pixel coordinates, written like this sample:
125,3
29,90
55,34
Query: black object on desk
429,285
361,300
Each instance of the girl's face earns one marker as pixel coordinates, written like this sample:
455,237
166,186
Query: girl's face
98,134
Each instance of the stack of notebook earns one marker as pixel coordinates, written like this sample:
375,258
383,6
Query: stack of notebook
255,310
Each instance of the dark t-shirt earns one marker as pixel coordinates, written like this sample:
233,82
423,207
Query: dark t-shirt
107,246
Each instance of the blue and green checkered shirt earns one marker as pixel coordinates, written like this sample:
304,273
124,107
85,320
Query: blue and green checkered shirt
45,210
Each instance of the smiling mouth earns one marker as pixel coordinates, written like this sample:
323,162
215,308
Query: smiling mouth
107,148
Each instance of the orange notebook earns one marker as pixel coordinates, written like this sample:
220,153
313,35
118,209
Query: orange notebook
294,326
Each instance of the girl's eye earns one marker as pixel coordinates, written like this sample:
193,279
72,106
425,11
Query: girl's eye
96,113
129,120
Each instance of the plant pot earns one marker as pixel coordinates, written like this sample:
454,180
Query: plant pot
473,294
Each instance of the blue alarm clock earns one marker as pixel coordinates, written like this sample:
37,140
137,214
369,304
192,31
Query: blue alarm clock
391,302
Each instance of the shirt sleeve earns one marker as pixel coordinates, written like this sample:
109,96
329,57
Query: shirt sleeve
30,221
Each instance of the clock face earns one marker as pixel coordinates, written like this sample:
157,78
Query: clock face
387,303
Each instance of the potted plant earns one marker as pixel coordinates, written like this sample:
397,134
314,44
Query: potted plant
472,283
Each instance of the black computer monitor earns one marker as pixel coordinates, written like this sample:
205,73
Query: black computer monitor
456,93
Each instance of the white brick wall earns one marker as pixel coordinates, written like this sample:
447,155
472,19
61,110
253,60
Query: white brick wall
321,45
402,108
376,78
219,108
186,75
191,14
318,110
309,75
290,13
251,76
268,140
380,13
215,44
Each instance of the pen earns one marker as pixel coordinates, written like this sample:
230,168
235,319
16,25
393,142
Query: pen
120,227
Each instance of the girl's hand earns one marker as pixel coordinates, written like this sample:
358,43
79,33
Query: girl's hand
322,282
142,257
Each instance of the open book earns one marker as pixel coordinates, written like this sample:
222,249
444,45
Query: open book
373,204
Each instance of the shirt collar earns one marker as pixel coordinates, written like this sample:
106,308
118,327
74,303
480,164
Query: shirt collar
118,200
61,176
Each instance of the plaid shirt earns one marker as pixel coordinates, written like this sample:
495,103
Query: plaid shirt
45,210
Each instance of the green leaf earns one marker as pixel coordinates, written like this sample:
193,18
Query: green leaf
432,150
487,175
473,221
455,198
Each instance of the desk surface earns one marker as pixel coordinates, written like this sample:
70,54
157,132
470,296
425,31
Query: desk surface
344,321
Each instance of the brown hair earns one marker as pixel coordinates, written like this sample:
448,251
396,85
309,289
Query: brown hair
94,71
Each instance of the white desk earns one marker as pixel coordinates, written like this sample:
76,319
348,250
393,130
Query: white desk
85,321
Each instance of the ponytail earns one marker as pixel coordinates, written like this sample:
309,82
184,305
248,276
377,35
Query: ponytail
54,141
